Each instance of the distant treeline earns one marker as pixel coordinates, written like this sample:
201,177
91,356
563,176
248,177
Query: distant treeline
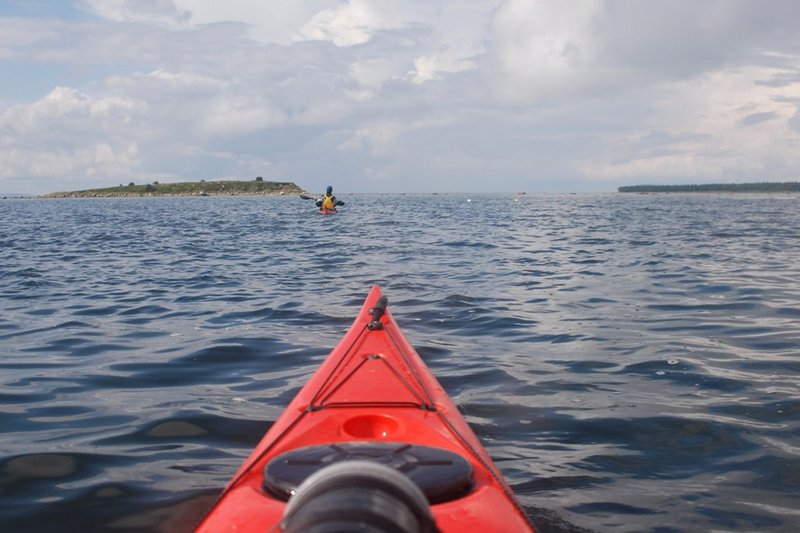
788,186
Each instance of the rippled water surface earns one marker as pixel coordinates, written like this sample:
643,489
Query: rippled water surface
631,362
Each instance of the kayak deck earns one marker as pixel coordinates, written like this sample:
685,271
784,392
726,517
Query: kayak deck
373,398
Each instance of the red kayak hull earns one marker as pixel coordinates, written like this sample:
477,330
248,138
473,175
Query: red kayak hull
372,387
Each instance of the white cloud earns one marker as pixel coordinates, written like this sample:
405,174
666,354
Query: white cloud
427,68
547,49
275,21
98,161
68,134
238,115
65,109
374,72
151,11
382,137
590,91
794,122
356,21
347,25
722,126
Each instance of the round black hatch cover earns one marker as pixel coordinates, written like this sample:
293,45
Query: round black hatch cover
441,474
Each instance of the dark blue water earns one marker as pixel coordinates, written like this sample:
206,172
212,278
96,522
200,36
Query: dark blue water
631,362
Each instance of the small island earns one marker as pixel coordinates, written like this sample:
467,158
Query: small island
189,188
765,187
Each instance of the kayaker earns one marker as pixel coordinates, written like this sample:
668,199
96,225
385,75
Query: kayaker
327,202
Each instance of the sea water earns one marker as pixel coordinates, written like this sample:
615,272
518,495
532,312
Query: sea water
631,362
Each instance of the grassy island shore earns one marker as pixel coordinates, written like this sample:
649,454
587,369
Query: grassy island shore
189,188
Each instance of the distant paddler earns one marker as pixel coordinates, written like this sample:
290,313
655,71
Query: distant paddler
327,202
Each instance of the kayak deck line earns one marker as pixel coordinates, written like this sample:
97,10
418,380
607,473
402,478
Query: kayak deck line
424,402
374,399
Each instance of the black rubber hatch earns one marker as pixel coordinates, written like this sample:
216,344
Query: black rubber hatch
441,474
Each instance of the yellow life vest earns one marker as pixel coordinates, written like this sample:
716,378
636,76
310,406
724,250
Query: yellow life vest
328,202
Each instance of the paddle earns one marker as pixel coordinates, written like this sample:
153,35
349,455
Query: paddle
305,197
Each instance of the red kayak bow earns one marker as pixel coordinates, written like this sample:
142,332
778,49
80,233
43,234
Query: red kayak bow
369,420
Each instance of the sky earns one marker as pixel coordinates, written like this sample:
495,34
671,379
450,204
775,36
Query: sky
399,95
